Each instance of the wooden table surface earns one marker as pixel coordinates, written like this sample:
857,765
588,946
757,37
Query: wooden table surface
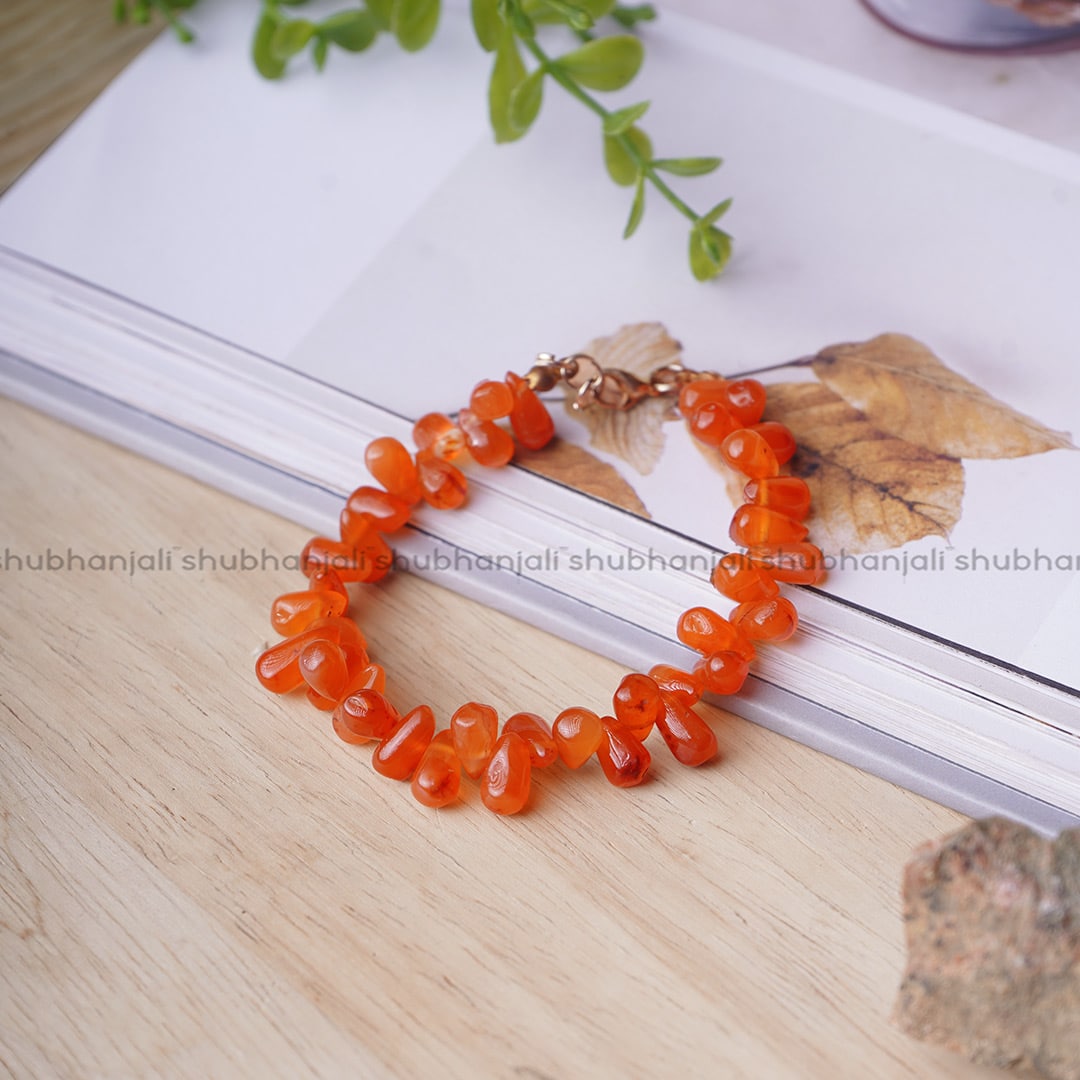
199,879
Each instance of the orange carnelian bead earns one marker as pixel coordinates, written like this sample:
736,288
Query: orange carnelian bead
296,611
767,620
688,737
532,425
399,754
392,465
324,668
439,434
508,775
443,485
698,391
577,734
738,580
747,451
623,758
785,494
491,400
723,672
711,423
437,779
474,728
363,675
387,512
799,564
355,529
488,444
745,399
779,437
326,579
637,704
753,525
542,749
364,716
704,631
368,560
278,668
685,685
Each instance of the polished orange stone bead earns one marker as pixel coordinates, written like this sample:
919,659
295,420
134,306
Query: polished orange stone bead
392,466
363,675
685,685
785,494
748,452
529,418
364,716
488,443
438,434
507,776
296,611
637,704
542,749
369,559
355,529
474,728
723,672
386,512
754,525
698,391
738,580
767,620
779,437
797,564
577,734
688,737
437,779
443,485
622,756
324,668
399,754
491,400
326,579
705,631
278,668
341,630
745,400
711,423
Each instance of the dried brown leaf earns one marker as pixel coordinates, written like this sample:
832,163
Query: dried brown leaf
575,467
903,389
635,436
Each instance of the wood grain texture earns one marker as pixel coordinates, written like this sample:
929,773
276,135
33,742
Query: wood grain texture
197,879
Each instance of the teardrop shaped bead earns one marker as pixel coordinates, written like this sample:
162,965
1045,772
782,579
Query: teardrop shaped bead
355,529
391,464
685,685
398,755
754,525
323,666
369,560
437,779
488,443
278,668
737,579
798,564
442,485
364,716
622,756
767,620
637,704
577,734
722,672
532,425
706,631
491,400
387,512
688,737
711,423
507,777
785,494
698,392
363,675
746,400
537,735
474,728
296,611
748,452
780,438
438,434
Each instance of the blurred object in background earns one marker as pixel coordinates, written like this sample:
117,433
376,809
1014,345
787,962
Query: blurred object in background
998,26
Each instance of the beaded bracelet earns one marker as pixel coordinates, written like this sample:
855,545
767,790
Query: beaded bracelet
326,653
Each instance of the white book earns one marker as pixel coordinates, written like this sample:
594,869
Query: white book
249,281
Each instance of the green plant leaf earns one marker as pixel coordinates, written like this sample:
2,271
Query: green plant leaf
319,51
605,64
266,63
290,38
623,119
597,8
353,31
630,15
716,213
688,166
575,15
621,167
637,208
486,23
525,102
507,74
414,22
382,11
710,250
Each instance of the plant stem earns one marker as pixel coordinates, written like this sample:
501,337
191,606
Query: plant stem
802,361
